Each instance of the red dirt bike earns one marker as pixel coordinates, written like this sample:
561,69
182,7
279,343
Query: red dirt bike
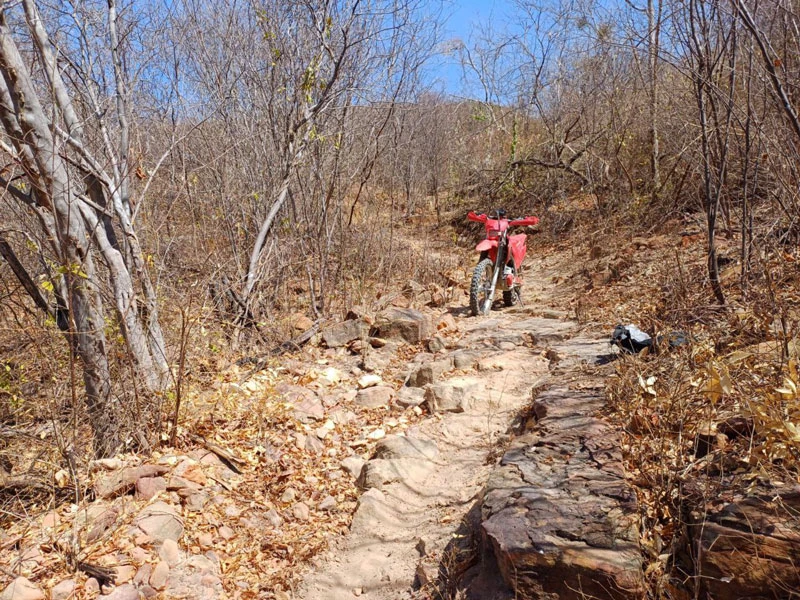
500,261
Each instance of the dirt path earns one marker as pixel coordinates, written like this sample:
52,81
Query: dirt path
421,489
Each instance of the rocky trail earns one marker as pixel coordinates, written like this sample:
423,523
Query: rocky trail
440,516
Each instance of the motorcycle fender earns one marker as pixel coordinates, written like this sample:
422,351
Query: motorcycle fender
486,245
518,248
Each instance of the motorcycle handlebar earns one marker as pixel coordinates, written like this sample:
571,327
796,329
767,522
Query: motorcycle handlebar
524,221
519,221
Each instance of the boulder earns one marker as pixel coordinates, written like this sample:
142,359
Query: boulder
404,323
345,332
374,397
455,395
558,516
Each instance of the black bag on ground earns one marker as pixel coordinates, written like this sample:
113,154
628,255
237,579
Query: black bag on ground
633,340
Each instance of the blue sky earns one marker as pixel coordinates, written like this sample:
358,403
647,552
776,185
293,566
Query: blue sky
465,15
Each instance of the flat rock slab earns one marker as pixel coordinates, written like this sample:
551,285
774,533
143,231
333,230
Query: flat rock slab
559,517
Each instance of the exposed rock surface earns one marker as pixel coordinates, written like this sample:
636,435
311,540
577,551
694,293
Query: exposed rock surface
749,548
421,484
560,518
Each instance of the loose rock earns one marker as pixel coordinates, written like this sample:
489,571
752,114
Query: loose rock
158,579
377,434
91,587
436,344
124,573
170,552
342,333
353,465
274,518
410,396
368,381
148,487
405,323
124,480
301,511
374,397
122,592
63,590
22,589
328,503
160,522
446,321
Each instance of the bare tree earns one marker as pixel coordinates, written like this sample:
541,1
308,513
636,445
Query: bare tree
76,183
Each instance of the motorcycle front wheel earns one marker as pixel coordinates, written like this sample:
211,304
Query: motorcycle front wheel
480,290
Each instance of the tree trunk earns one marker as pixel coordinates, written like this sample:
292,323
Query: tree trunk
654,25
49,176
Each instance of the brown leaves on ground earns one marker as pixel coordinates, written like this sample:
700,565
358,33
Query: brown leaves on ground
288,428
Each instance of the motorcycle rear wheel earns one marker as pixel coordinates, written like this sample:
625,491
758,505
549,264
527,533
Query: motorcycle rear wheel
510,297
480,287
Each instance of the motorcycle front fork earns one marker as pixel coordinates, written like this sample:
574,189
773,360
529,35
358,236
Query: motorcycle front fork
490,296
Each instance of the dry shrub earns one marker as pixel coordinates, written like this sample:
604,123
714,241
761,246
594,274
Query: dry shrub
720,417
